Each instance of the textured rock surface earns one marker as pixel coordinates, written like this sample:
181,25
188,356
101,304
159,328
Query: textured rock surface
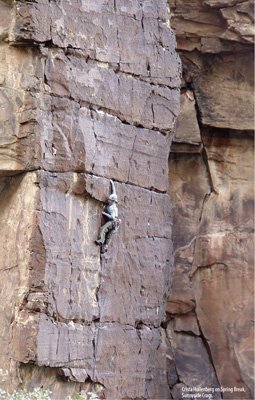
89,91
214,255
210,306
217,59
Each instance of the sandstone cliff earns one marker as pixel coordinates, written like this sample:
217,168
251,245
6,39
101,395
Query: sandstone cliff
210,306
89,92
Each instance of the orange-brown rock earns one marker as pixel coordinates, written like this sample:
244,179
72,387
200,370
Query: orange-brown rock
213,243
211,187
211,22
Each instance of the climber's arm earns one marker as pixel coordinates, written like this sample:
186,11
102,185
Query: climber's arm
109,216
113,187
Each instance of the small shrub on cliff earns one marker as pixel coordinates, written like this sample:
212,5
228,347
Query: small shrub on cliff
84,396
37,394
42,394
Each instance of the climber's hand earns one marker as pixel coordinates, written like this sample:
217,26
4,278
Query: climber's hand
116,223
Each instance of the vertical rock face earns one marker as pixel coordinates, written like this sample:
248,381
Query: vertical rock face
210,306
89,91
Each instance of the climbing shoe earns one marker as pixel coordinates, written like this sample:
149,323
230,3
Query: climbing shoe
98,242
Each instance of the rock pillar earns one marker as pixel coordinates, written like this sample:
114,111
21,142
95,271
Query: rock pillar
89,91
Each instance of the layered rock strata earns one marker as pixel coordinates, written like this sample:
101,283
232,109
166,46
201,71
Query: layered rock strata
210,306
89,92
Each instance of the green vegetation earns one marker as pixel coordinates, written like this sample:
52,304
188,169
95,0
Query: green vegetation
42,394
37,394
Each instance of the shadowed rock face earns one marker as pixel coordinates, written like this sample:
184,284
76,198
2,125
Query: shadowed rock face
210,306
89,91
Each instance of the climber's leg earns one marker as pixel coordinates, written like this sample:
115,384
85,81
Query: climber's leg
103,231
108,239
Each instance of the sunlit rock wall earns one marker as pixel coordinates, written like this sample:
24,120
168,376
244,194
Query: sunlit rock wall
211,185
89,91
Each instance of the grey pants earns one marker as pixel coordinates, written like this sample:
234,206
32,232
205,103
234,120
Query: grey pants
106,231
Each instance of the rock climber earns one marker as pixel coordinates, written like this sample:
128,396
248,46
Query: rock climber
112,224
